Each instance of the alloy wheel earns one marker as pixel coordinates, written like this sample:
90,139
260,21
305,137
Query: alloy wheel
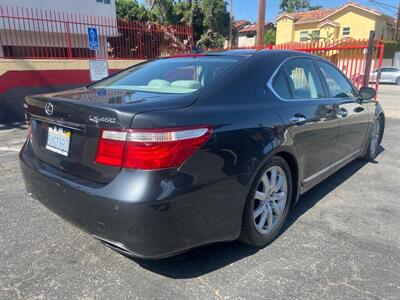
270,200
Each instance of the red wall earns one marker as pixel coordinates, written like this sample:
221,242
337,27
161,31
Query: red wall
16,85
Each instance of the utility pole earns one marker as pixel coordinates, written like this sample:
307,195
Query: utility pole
397,23
230,24
260,23
368,59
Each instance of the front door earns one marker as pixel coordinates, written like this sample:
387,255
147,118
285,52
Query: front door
386,75
353,116
308,115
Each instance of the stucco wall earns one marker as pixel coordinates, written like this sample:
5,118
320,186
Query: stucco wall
382,29
82,7
284,30
22,77
244,41
303,27
360,22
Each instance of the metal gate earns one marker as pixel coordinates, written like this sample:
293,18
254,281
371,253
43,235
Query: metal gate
349,55
353,57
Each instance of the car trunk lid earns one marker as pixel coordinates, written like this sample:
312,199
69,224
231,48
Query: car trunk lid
66,126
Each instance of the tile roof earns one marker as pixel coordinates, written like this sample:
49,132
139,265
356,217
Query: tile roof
240,23
312,15
252,27
320,14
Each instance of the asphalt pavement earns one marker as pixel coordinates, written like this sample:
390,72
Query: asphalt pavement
342,241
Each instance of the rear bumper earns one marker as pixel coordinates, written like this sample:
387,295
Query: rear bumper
139,213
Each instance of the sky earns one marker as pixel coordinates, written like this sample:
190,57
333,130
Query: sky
247,9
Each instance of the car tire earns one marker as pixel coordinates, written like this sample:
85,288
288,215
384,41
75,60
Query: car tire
375,139
398,80
276,211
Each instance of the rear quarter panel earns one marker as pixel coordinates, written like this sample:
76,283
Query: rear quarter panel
219,176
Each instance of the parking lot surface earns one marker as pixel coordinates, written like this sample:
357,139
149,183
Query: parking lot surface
341,241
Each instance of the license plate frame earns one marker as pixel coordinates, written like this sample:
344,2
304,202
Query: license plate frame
58,140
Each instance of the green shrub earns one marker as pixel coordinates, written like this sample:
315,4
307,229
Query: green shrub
390,48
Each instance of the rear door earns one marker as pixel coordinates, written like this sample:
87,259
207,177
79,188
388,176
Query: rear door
308,115
353,115
392,75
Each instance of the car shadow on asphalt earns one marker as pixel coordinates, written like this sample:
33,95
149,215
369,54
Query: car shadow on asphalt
206,259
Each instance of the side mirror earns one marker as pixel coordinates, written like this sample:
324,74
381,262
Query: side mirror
366,93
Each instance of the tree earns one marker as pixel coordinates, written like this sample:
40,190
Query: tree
314,36
189,13
270,37
161,10
314,7
131,10
208,18
291,6
215,23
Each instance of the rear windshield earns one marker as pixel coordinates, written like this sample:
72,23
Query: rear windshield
171,75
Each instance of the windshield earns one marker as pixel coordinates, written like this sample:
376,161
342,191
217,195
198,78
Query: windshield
171,75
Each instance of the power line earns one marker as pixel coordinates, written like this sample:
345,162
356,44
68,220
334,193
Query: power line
383,4
380,7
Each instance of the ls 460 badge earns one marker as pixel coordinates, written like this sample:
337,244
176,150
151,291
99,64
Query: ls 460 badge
97,119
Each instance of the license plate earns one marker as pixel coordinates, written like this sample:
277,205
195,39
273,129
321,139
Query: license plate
58,140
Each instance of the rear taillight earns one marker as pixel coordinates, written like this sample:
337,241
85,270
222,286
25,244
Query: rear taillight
150,149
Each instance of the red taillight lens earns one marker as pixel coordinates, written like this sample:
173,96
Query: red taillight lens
150,149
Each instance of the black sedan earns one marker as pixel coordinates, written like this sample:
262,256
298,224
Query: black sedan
183,151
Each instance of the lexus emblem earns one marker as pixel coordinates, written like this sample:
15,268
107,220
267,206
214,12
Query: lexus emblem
49,108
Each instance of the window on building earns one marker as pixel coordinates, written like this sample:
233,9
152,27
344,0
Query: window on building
104,1
303,36
346,31
250,35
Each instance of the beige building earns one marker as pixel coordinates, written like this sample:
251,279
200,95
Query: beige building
247,35
45,24
351,20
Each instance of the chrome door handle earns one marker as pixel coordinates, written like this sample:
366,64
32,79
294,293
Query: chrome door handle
297,119
342,113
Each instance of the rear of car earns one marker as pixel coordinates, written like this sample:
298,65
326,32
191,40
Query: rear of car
85,160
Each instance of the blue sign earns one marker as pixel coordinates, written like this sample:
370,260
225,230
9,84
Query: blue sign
93,38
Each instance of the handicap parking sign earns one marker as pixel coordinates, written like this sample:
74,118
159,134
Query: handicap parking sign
93,39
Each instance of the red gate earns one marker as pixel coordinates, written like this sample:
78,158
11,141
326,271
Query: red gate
47,34
349,55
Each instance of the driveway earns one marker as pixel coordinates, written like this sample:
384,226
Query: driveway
342,241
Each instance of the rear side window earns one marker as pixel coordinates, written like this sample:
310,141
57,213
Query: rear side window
280,85
338,85
171,75
303,79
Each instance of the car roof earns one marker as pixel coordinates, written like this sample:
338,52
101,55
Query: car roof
235,52
264,53
261,52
